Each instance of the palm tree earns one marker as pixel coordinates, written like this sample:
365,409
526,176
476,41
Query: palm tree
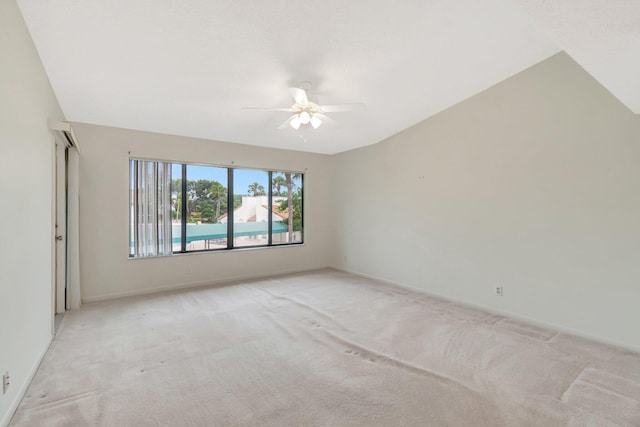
278,182
219,197
256,189
289,177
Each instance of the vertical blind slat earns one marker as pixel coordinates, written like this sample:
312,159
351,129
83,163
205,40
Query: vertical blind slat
152,208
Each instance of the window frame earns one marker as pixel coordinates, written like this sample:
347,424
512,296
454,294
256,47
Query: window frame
230,237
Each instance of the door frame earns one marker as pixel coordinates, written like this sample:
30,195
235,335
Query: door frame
65,205
60,225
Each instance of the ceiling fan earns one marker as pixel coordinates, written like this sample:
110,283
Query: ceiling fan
307,112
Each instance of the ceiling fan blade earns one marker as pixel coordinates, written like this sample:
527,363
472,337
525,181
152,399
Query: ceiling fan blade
285,124
335,108
325,118
300,95
267,108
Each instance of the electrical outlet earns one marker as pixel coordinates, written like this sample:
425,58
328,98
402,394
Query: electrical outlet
499,291
5,382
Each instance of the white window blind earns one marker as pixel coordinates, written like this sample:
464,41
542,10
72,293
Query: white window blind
150,208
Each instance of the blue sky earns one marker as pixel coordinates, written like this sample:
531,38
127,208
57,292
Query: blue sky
242,177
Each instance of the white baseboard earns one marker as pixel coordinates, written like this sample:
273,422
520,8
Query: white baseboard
24,386
535,322
199,284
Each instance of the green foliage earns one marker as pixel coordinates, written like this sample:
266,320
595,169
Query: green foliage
297,209
289,178
206,200
237,201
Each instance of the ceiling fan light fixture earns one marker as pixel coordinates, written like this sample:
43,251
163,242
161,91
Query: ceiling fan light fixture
315,121
306,113
295,122
304,117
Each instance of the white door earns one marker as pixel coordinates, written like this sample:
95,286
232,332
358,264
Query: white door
61,227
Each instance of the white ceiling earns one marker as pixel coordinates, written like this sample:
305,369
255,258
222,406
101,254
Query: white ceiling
603,36
186,67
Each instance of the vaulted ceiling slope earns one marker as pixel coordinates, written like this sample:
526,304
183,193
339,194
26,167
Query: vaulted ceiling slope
187,67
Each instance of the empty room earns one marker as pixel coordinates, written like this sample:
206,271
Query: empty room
297,213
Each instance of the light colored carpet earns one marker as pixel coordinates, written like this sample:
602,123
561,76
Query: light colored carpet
321,349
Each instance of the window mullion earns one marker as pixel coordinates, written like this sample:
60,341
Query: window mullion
270,210
230,208
183,222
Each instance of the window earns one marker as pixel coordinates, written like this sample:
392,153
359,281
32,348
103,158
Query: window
287,207
180,208
251,216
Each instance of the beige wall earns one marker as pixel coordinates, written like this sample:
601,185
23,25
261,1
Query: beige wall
533,185
105,268
26,101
